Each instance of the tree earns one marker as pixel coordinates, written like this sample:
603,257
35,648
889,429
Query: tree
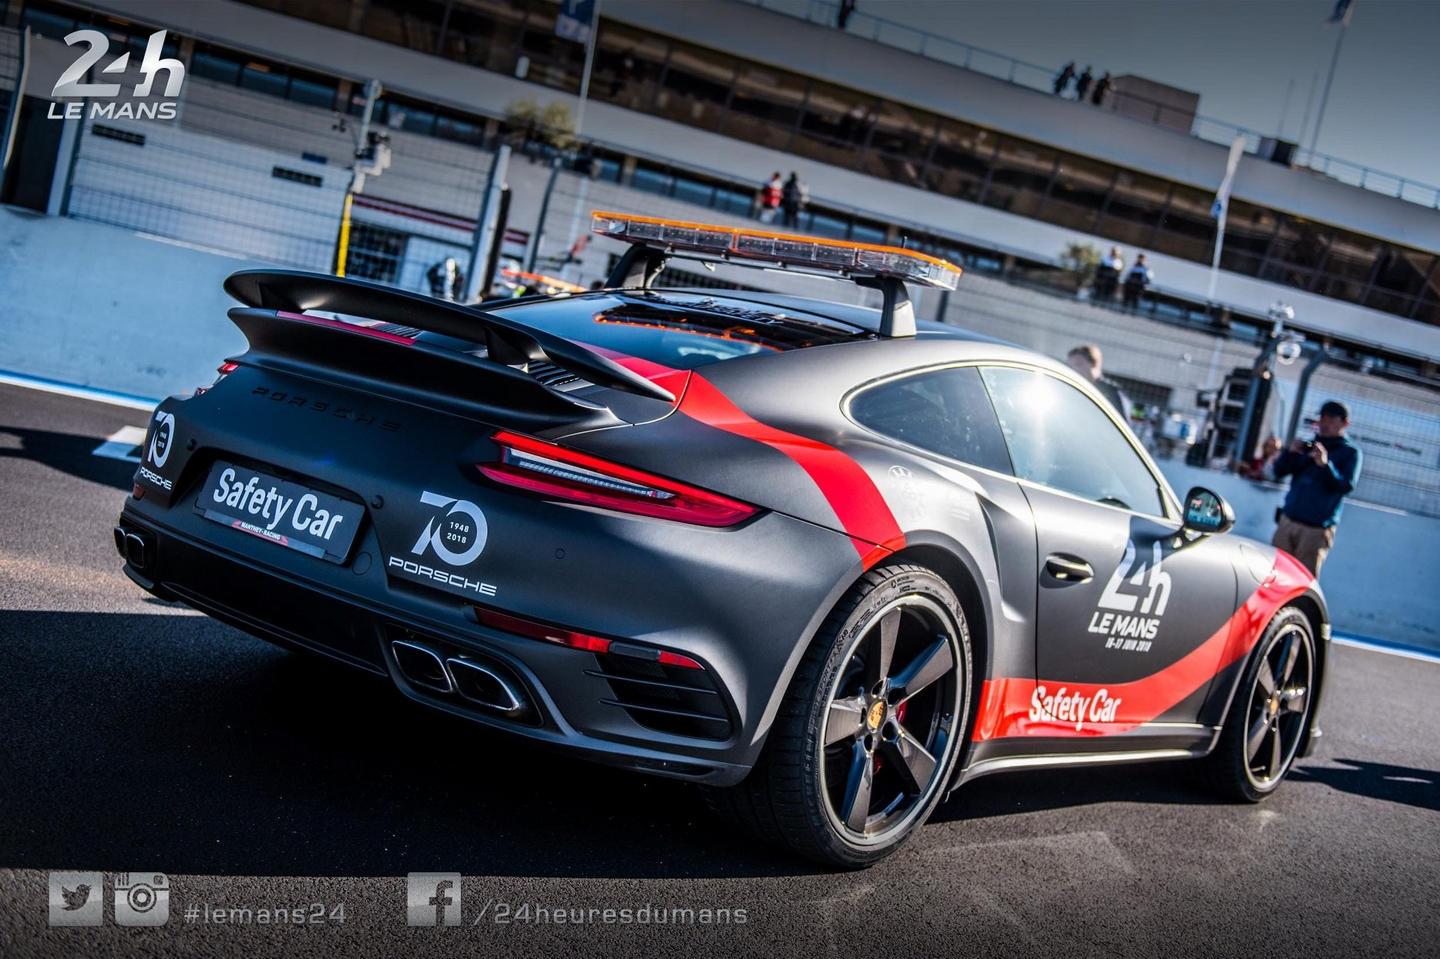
1079,261
552,125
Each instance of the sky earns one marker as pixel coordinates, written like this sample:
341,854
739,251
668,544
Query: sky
1241,57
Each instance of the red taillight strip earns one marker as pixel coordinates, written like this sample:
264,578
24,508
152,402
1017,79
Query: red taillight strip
849,490
674,500
576,640
533,630
350,328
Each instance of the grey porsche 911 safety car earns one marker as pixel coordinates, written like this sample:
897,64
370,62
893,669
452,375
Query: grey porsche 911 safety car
826,561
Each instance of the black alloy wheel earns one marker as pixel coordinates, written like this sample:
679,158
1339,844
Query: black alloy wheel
1271,710
866,741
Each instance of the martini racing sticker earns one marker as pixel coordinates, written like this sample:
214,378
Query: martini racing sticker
284,513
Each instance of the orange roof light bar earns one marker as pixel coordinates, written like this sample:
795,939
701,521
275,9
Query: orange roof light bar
552,284
837,257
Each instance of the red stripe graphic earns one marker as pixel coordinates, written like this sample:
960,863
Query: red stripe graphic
1007,704
667,377
851,492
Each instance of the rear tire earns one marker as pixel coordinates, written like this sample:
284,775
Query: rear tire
866,740
1268,717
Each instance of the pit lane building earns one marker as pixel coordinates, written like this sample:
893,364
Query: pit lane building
901,138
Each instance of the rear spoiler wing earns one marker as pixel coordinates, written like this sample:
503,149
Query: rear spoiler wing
509,343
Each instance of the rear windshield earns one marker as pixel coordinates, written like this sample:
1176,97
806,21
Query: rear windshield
679,330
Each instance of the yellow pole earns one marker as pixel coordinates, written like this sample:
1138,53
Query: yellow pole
344,236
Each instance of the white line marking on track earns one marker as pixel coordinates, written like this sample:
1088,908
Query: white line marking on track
80,392
1423,655
123,444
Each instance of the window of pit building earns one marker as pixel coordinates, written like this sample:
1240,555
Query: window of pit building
1296,251
765,106
55,21
1249,232
1428,309
834,124
960,161
900,140
1348,267
862,231
406,23
695,88
1187,229
554,61
1133,211
484,34
1077,194
330,13
1400,276
647,54
262,76
1020,176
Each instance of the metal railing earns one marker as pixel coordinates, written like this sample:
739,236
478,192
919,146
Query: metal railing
1035,77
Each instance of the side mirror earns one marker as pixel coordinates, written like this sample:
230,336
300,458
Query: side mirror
1206,512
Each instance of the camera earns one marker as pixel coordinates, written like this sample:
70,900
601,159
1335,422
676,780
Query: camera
142,899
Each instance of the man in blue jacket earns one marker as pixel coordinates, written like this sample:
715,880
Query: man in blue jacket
1324,472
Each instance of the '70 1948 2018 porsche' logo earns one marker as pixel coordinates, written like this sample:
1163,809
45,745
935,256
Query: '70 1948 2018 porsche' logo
458,536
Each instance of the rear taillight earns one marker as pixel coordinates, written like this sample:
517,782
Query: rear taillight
221,371
554,471
577,640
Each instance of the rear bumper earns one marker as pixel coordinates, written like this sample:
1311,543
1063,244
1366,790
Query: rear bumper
572,700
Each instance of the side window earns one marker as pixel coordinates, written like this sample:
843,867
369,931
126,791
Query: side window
945,411
1058,437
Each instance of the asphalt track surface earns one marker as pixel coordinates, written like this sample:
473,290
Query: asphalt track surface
135,735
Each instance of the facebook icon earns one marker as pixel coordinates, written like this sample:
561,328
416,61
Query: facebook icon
433,899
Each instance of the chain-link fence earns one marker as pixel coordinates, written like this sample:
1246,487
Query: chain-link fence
216,194
1395,424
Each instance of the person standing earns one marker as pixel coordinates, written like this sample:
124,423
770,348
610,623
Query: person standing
770,195
1107,275
1103,87
847,7
445,279
1085,359
794,197
1137,281
1062,80
1323,472
1082,85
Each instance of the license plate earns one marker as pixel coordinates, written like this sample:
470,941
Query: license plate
289,514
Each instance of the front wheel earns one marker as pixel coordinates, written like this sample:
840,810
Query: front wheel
1268,717
869,732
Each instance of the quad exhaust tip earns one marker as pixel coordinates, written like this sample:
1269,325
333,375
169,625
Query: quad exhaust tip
481,685
422,667
474,682
135,547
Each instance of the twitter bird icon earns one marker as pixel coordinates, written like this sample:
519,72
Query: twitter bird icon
75,899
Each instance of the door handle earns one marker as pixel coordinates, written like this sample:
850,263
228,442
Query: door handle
1069,569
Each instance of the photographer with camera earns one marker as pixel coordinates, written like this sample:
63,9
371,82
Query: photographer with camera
1323,471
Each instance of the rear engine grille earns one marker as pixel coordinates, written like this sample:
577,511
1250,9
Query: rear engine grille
552,375
396,329
668,699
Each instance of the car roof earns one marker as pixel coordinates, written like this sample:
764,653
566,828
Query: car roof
748,322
